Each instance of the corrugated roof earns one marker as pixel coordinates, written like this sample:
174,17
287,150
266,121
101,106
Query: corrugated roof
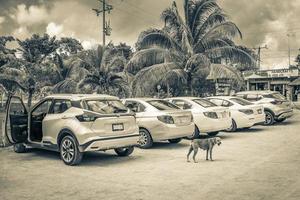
295,82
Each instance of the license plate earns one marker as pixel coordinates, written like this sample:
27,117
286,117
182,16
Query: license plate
117,127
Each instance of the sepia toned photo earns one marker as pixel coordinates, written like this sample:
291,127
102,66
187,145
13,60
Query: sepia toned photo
149,99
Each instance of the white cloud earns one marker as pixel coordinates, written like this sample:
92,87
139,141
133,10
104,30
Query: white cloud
29,16
2,19
89,44
21,32
54,29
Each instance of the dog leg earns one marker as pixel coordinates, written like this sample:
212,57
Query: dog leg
190,151
210,152
195,153
207,154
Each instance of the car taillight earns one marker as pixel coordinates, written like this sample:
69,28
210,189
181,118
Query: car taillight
86,118
246,111
229,113
276,102
166,119
212,115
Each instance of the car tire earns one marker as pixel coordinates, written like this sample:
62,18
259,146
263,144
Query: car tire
174,141
233,127
213,133
126,151
269,118
196,134
145,140
20,148
280,120
69,151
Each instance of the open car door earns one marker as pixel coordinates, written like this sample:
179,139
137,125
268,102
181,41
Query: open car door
15,121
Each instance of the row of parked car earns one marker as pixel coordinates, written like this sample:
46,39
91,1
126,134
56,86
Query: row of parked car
75,124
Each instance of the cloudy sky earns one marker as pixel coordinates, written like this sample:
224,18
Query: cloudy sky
262,22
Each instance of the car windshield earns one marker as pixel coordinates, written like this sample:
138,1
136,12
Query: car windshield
162,105
106,106
242,102
204,103
274,96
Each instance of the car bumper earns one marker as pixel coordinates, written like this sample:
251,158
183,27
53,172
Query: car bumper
249,121
171,131
106,143
213,125
284,115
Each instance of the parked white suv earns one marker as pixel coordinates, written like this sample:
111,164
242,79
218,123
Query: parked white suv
71,125
277,108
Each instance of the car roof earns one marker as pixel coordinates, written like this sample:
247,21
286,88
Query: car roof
142,99
223,97
187,98
258,92
76,97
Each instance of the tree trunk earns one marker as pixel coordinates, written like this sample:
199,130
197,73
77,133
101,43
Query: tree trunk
189,84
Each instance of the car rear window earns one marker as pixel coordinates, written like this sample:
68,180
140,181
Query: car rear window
162,105
274,96
105,106
242,102
204,103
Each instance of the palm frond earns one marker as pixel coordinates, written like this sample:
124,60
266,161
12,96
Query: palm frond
146,80
219,71
198,65
145,58
235,55
224,29
202,9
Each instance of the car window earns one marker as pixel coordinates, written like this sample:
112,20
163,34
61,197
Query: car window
252,97
204,103
182,104
242,102
16,106
226,103
105,106
162,105
218,102
60,106
135,106
43,108
274,96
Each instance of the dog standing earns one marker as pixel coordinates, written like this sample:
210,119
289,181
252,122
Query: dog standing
205,144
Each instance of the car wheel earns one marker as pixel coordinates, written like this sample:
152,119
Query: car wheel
280,120
196,134
213,133
145,140
174,141
269,120
233,127
19,148
126,151
69,151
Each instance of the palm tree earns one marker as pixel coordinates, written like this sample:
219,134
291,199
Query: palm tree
185,48
106,74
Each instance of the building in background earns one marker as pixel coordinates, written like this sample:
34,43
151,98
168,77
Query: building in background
281,80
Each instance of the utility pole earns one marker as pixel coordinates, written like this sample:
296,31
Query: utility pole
259,54
103,8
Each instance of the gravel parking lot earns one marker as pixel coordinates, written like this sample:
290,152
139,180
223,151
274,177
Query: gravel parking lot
260,163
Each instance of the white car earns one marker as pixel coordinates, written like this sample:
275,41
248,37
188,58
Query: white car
160,120
244,113
277,108
71,125
208,117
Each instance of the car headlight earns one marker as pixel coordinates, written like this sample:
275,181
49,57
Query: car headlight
166,119
246,111
212,115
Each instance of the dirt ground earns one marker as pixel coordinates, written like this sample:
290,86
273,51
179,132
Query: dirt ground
260,163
